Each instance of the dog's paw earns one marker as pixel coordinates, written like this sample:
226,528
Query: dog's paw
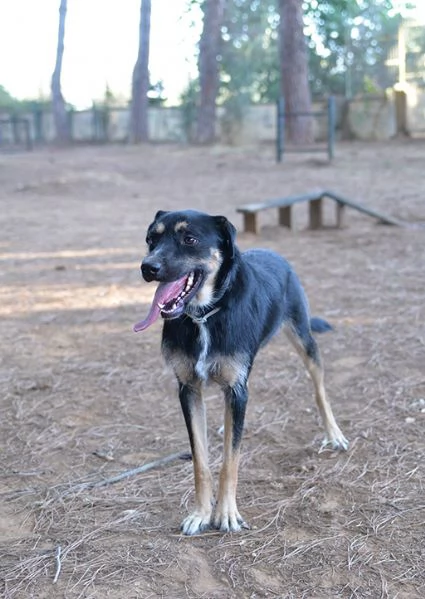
336,442
228,520
196,523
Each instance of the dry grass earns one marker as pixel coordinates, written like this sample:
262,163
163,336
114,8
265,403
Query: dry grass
84,400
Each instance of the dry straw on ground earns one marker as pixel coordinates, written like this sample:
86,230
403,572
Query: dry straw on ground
84,400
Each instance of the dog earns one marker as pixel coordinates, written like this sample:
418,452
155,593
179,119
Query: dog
219,307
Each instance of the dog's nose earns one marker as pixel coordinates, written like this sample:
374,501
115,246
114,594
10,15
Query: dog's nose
150,270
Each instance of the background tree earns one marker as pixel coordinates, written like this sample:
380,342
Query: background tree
60,114
209,47
349,42
294,71
249,62
139,131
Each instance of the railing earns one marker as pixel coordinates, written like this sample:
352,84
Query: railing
282,116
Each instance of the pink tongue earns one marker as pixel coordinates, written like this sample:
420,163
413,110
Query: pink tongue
164,293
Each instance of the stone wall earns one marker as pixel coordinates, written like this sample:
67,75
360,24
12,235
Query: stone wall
372,117
415,110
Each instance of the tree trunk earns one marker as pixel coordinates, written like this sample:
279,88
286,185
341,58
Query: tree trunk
294,71
60,116
209,47
139,131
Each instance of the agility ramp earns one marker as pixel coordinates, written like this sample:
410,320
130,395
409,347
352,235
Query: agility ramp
315,200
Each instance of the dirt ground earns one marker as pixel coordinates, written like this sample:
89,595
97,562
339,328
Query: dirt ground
83,398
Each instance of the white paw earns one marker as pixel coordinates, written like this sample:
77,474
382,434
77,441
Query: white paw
196,523
337,442
228,520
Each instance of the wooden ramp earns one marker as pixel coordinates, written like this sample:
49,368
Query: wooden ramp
315,205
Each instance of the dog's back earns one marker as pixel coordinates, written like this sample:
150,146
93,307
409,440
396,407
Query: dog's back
276,290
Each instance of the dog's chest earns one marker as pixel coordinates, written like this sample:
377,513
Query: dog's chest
202,365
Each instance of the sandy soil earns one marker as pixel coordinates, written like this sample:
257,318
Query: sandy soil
83,398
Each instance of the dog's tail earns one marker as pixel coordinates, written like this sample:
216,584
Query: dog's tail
318,325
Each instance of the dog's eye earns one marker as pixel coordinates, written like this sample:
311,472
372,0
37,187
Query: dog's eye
151,241
190,240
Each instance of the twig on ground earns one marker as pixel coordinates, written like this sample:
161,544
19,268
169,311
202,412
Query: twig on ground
139,470
84,486
58,563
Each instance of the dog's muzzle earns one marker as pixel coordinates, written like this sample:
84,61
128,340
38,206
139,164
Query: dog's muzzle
150,270
170,298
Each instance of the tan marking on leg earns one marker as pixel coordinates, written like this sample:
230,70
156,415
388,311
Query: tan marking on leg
180,226
203,480
227,517
201,517
159,228
334,436
333,432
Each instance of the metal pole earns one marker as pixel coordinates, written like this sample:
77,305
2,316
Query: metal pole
27,134
401,55
280,134
331,127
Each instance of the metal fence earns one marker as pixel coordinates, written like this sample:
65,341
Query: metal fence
15,134
282,115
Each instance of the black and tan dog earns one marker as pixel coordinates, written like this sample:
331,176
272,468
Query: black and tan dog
220,306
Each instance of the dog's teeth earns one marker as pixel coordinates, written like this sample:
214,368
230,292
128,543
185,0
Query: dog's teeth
161,306
189,282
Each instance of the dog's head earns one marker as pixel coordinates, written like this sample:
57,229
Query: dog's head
187,250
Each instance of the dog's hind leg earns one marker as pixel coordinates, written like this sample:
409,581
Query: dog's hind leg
305,344
226,517
194,414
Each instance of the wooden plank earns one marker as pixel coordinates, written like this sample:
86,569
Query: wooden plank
250,211
281,202
285,217
383,218
315,213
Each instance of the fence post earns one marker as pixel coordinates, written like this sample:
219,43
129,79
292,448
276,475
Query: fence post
331,127
27,130
37,119
70,116
92,136
15,131
280,133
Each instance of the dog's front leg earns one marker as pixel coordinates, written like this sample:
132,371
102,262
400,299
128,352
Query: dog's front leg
227,517
194,414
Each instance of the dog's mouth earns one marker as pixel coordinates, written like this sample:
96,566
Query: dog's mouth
171,299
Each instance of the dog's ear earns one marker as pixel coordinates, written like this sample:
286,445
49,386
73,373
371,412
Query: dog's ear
159,214
228,234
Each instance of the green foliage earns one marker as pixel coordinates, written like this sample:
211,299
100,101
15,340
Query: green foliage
189,105
156,94
6,100
349,42
10,104
249,60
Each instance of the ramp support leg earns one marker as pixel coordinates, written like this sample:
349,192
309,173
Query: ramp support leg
250,222
285,219
340,214
315,211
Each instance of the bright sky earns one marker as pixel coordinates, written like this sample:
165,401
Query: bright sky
101,41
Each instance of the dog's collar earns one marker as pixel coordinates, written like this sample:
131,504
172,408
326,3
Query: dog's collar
203,319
